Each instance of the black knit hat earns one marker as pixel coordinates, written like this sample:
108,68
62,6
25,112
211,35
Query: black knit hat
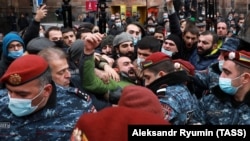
176,39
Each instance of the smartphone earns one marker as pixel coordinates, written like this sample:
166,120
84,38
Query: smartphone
39,2
42,4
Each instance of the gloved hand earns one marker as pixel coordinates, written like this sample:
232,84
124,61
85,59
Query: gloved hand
115,95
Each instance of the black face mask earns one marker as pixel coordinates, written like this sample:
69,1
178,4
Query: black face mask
59,43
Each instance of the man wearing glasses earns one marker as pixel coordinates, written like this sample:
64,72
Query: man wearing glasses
13,47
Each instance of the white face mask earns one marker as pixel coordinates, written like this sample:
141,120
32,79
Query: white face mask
151,30
118,24
139,60
181,16
23,107
107,30
41,35
168,53
241,25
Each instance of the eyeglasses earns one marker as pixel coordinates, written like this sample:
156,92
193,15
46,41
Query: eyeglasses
12,46
126,45
132,32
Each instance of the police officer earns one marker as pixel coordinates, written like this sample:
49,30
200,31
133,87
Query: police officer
228,103
169,85
33,108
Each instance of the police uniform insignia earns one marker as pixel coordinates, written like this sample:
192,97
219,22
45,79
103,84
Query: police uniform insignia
15,79
166,110
232,55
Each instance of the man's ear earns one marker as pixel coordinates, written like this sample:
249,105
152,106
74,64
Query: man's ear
48,90
116,69
246,77
215,46
162,73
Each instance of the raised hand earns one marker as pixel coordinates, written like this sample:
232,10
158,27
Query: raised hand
91,42
169,3
41,13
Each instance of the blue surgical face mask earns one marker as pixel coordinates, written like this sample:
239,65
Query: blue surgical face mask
220,63
169,53
226,85
15,54
23,107
139,37
135,40
234,31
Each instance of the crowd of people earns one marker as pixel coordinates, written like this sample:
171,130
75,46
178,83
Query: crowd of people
78,84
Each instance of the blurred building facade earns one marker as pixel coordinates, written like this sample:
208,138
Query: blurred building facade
125,7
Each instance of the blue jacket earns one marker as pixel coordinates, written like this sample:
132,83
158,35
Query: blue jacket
54,122
202,62
219,108
205,80
175,97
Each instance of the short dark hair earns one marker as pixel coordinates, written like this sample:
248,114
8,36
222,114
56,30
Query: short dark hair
214,35
149,42
192,29
50,29
159,29
166,66
67,29
80,31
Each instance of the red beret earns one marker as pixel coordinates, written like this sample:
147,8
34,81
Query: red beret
24,69
139,97
240,57
181,64
111,124
154,59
